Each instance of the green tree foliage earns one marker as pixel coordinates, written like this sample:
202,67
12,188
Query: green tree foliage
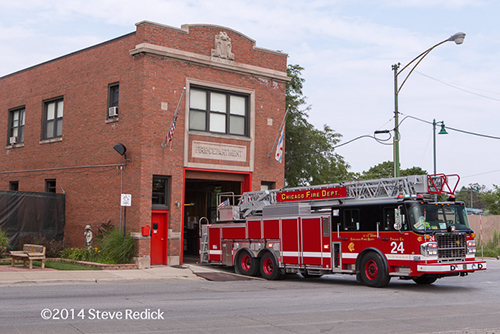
309,154
386,170
492,200
479,195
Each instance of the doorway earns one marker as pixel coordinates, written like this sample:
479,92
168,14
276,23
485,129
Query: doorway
201,201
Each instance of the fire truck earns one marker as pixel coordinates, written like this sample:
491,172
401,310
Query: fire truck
374,229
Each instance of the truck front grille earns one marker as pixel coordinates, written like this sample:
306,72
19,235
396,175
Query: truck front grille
451,246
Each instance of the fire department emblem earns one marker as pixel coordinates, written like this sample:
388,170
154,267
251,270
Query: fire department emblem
351,247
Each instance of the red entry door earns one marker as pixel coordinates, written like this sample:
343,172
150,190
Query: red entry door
159,237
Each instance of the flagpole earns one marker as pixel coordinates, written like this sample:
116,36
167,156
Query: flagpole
164,143
279,131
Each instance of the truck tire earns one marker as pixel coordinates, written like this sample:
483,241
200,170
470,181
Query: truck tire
246,264
269,268
425,279
374,271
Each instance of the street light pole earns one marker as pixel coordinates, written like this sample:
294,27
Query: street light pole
458,38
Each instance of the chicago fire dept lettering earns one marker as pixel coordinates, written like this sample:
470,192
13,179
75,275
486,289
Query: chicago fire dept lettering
313,194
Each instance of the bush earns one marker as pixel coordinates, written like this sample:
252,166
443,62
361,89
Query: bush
53,247
82,254
112,246
4,244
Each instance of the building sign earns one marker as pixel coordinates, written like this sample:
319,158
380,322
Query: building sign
218,151
311,195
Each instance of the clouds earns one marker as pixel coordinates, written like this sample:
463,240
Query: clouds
347,48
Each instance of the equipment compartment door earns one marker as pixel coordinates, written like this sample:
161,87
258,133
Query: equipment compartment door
290,239
316,244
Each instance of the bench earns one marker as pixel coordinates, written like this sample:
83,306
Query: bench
29,253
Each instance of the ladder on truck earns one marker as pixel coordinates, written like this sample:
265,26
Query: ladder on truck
252,203
203,233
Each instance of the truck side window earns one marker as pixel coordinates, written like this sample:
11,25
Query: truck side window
351,220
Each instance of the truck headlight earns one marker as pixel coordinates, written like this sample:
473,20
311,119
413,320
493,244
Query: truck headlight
429,249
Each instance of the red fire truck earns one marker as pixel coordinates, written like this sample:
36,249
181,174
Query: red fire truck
374,229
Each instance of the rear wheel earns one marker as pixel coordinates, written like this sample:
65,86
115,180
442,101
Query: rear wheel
425,279
246,264
269,268
374,270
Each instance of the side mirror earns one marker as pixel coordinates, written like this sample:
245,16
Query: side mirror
397,219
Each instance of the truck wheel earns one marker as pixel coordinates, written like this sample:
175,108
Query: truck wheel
374,270
246,264
425,279
269,268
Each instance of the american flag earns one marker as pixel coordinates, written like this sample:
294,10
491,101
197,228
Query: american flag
223,204
170,134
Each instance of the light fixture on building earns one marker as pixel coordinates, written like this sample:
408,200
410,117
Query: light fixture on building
122,150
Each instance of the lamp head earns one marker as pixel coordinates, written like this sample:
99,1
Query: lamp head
458,38
443,130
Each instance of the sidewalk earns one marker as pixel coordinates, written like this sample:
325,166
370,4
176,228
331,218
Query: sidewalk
22,275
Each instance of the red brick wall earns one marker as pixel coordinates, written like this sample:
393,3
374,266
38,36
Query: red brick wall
82,78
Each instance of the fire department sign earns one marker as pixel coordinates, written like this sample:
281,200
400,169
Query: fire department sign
310,195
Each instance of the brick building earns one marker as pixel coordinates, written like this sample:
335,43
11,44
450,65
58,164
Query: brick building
67,122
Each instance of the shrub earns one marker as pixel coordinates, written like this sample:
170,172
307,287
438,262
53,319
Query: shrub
4,244
82,254
53,247
113,246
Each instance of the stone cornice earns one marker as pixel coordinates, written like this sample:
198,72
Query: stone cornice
223,64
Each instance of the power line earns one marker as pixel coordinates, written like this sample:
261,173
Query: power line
449,127
459,88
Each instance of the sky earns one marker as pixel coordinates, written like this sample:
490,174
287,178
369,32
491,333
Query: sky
347,49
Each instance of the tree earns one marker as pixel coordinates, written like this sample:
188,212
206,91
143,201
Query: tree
386,170
479,194
309,153
492,200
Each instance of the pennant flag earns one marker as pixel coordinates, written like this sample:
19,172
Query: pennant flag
279,148
223,204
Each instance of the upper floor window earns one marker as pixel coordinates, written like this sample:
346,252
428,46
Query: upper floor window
16,126
53,119
113,95
218,112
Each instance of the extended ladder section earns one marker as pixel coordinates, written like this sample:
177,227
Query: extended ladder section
252,203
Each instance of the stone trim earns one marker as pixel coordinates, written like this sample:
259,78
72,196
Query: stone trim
214,62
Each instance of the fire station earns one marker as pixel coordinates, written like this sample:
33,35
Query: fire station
170,116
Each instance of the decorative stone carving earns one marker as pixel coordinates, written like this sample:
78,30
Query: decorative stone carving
222,47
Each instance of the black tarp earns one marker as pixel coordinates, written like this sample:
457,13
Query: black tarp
24,213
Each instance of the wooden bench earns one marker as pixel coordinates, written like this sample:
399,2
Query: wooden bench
29,253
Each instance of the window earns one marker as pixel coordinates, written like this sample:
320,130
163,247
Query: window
159,198
218,112
351,220
50,186
16,126
53,119
113,95
14,185
264,185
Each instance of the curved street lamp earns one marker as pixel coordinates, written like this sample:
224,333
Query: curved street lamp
458,38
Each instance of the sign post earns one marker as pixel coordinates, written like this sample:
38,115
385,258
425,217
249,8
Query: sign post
126,200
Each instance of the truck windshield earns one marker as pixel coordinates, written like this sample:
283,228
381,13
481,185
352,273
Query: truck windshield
428,217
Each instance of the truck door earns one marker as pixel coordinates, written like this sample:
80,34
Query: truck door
315,243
